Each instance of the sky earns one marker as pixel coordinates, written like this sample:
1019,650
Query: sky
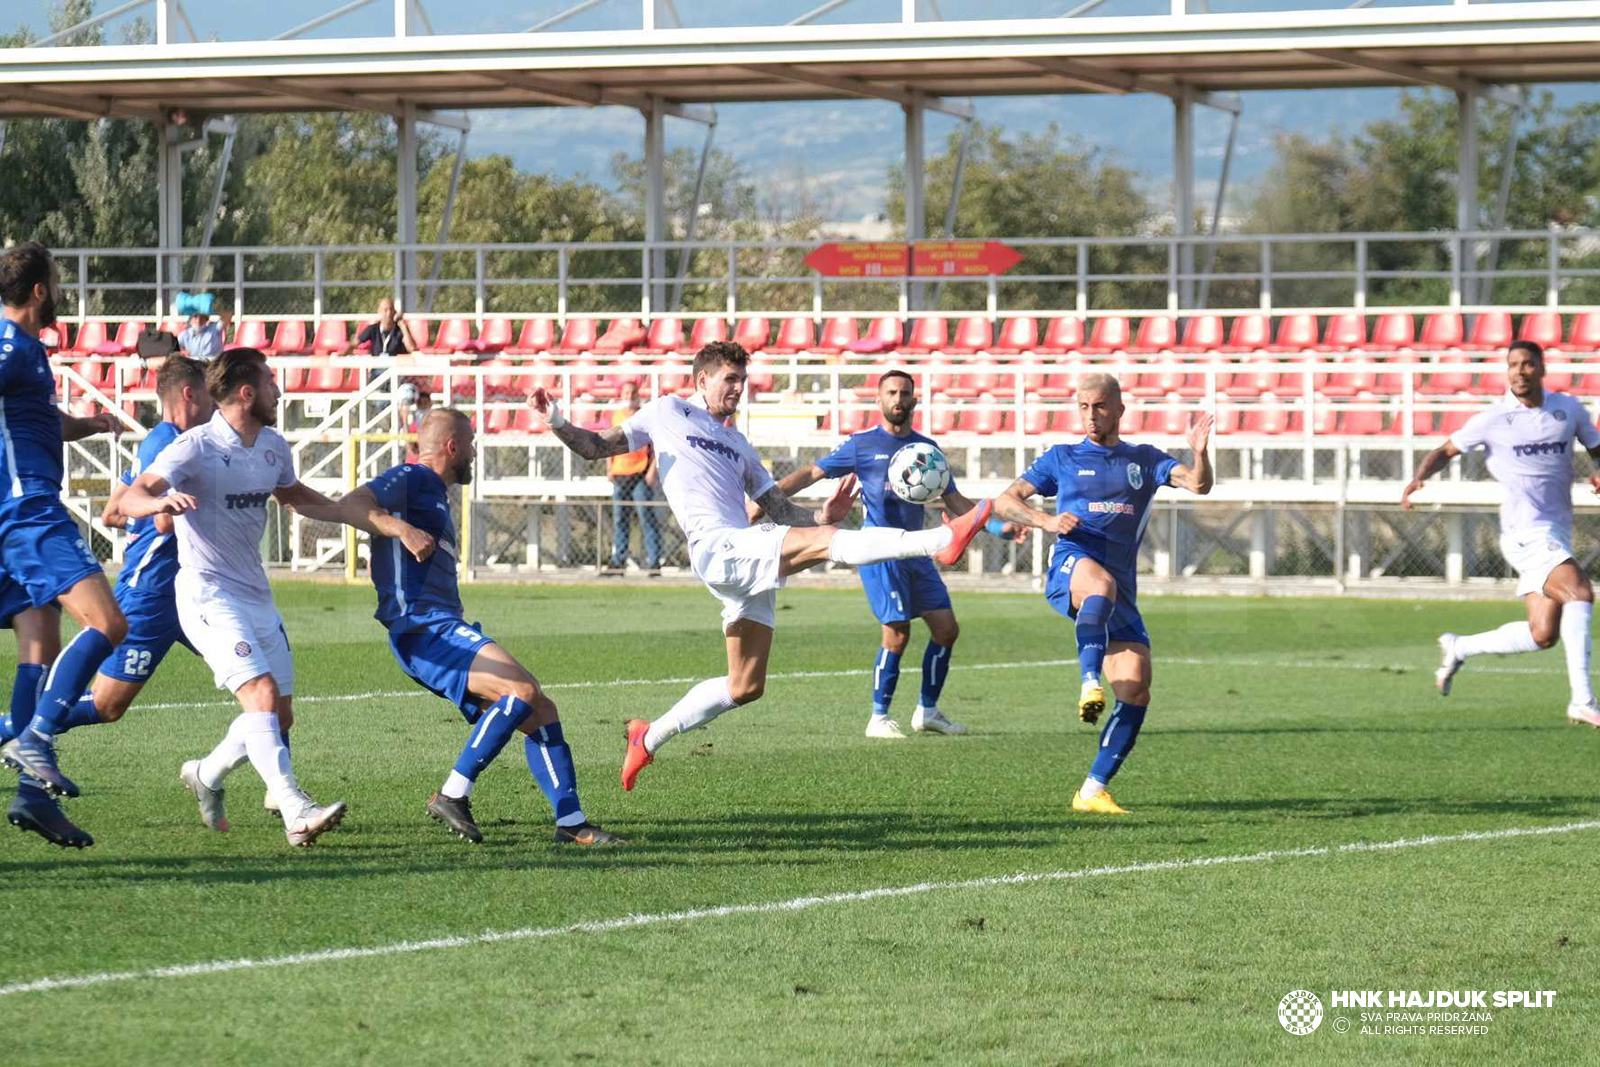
841,151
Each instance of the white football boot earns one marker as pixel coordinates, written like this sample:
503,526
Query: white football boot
932,721
1583,714
211,812
885,727
312,823
1448,664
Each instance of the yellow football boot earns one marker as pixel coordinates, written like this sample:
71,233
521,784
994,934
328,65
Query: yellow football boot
1091,702
1099,804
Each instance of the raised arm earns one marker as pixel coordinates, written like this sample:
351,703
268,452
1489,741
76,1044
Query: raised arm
74,428
586,443
1198,478
799,479
1012,506
785,512
1431,464
358,508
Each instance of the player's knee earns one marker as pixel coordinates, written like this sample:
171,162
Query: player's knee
746,690
895,639
1139,695
1545,634
526,690
113,625
111,710
945,634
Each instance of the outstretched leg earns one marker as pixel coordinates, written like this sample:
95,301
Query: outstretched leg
1127,667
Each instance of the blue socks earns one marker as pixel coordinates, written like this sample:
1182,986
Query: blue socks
935,668
1093,616
1116,740
885,675
69,677
550,760
24,698
83,713
490,734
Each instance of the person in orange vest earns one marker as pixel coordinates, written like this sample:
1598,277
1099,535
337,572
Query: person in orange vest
633,479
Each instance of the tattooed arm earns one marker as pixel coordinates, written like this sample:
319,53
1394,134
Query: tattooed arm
785,512
586,443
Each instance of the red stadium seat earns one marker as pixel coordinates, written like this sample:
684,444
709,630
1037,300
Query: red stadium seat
538,336
421,332
972,335
288,339
1035,420
580,335
705,331
252,333
1250,333
502,380
752,334
884,335
1543,328
1346,383
91,335
1395,330
1558,381
927,335
331,379
99,374
126,341
1067,421
664,336
1110,334
332,338
1422,424
455,335
1203,333
493,339
1585,385
1270,417
1296,333
1345,331
1016,337
1063,335
1451,421
1161,379
794,335
837,335
1442,330
1585,336
1157,333
1447,382
869,388
1229,419
1361,422
54,338
761,379
619,337
1492,331
676,379
1252,381
1169,421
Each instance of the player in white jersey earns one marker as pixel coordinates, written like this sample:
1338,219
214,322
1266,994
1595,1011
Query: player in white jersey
707,470
1528,436
216,479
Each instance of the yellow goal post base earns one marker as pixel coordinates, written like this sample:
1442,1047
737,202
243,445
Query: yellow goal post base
352,479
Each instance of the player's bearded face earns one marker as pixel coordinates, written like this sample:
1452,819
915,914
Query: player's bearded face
722,389
1524,374
52,294
461,464
264,409
897,403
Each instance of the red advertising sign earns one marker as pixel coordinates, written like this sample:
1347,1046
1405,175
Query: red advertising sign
962,259
929,259
869,259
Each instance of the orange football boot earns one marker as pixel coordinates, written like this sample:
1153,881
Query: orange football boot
637,758
963,530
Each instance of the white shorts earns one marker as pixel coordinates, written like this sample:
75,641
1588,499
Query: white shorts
240,640
741,567
1534,554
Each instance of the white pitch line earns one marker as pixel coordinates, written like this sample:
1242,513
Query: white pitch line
1181,661
626,922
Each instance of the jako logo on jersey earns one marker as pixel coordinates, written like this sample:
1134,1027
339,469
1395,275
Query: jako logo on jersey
1135,476
240,501
1111,507
1087,472
712,446
1541,449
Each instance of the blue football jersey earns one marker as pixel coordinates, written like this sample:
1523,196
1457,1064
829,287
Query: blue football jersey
866,455
150,562
405,587
1110,491
30,422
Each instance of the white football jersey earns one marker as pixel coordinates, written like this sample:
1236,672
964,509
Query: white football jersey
221,539
1530,454
706,468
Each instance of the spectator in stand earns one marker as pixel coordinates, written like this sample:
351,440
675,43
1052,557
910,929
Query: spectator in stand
389,336
203,339
633,478
414,407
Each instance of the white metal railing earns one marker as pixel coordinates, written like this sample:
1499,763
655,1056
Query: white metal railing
1557,269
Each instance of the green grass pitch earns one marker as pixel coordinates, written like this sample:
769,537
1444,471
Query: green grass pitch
1286,727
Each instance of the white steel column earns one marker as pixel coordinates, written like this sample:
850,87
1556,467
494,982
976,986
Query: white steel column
166,17
405,19
655,200
1183,185
169,206
916,182
406,180
1467,187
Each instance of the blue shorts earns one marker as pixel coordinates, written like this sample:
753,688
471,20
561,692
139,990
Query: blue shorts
153,629
42,554
1126,623
436,652
904,589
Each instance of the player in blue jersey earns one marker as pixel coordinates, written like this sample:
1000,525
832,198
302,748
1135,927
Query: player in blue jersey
414,569
44,560
1103,487
898,590
144,586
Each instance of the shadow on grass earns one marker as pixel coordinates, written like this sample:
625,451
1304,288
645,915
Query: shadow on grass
1366,807
1421,728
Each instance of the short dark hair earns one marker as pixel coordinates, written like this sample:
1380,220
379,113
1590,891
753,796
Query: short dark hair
1533,348
21,268
177,372
897,373
235,368
717,353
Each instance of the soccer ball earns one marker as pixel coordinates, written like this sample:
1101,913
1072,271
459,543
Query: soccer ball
918,473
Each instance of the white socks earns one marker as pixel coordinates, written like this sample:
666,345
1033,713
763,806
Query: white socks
697,707
456,786
1504,641
1091,786
228,754
1575,619
875,544
254,736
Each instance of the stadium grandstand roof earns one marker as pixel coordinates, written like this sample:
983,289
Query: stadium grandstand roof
1457,46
